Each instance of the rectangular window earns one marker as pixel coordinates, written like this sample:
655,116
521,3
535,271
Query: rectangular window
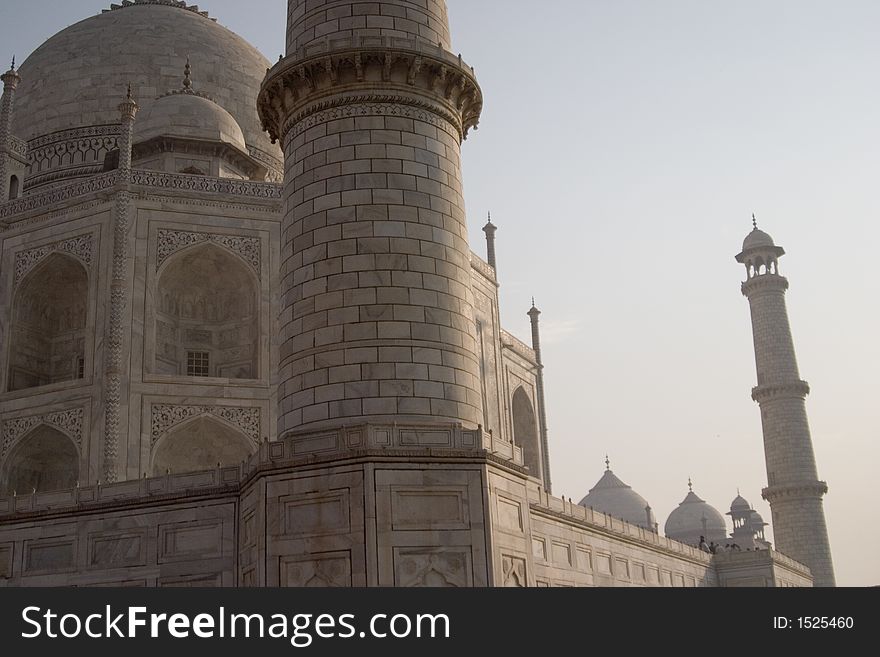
197,363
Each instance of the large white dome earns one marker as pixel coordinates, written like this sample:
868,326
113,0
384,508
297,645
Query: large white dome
78,77
610,495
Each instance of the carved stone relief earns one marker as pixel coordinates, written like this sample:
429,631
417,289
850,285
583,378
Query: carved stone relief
166,416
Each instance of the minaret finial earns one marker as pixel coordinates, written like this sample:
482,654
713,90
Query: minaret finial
128,93
187,79
12,68
533,302
754,221
690,485
607,463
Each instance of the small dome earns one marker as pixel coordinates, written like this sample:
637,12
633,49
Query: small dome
694,518
740,504
757,239
190,116
610,495
757,520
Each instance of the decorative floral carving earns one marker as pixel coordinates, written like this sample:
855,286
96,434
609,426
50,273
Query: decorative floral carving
80,246
69,421
171,241
167,416
188,183
154,179
57,195
431,567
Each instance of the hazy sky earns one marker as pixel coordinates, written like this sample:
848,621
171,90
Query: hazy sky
623,147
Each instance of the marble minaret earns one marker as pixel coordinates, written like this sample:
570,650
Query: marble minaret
793,487
377,323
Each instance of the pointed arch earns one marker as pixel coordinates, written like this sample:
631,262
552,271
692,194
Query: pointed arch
207,315
45,459
199,444
14,187
49,315
525,431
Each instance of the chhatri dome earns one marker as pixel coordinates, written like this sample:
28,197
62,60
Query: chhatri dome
694,518
187,114
610,495
74,79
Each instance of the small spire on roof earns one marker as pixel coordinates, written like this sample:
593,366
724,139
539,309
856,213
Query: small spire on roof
607,463
12,68
128,93
690,485
187,79
754,221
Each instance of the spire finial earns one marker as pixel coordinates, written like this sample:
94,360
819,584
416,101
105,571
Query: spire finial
533,302
737,490
12,68
754,221
128,93
607,463
690,485
187,79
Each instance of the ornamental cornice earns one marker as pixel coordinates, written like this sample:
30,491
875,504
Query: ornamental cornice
796,389
389,71
808,489
765,283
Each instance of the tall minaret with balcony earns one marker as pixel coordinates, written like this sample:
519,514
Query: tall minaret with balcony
793,487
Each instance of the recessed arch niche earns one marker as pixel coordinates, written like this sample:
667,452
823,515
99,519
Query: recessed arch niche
207,304
45,459
525,431
49,314
200,444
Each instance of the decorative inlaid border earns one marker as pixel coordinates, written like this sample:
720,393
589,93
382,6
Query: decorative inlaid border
172,241
80,246
166,416
70,422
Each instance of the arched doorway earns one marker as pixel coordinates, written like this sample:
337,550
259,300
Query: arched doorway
525,431
48,324
198,445
207,315
44,460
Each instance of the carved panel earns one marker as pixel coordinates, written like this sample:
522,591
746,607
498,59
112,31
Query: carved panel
561,554
49,556
315,514
585,559
113,550
208,580
185,541
6,552
172,241
539,549
510,514
166,416
70,422
330,569
513,571
80,247
432,567
429,508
